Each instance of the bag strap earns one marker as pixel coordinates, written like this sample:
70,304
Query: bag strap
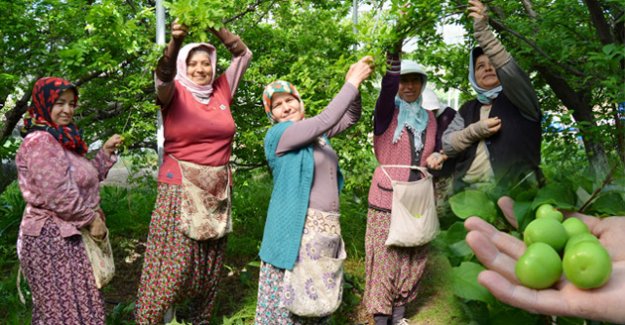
419,168
19,287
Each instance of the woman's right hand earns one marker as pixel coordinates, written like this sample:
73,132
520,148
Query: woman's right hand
360,71
178,31
97,228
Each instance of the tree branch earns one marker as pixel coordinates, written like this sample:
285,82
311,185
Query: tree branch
528,8
598,20
499,26
250,8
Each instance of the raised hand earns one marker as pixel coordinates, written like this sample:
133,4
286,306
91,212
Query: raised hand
477,11
178,31
360,71
499,252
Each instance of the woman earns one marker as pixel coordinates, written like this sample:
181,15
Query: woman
305,197
62,194
404,134
485,155
199,129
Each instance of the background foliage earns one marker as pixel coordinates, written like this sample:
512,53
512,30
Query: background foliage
574,52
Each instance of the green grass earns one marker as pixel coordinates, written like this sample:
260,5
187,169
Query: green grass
128,213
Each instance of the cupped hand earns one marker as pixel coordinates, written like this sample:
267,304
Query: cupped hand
493,124
435,160
499,252
112,144
360,71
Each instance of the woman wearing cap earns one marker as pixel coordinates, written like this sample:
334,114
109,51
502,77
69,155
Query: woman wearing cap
305,197
484,154
404,134
62,193
199,130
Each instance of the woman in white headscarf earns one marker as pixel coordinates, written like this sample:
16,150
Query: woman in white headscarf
199,129
404,134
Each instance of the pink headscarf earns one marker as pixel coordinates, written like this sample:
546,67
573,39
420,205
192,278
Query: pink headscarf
201,93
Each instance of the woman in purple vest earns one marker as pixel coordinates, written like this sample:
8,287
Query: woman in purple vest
404,134
496,137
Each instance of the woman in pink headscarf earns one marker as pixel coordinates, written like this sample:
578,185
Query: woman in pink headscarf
199,129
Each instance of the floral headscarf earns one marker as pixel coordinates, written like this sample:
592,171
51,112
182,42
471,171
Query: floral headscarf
483,95
279,86
201,93
38,117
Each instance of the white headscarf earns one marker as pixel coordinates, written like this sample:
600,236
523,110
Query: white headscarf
484,96
201,93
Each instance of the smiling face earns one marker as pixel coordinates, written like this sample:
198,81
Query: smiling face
485,74
410,87
199,68
286,107
62,112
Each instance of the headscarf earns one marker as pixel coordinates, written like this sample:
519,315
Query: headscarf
483,95
279,86
411,115
38,116
201,93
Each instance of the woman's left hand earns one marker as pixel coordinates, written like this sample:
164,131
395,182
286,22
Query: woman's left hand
112,144
360,71
435,160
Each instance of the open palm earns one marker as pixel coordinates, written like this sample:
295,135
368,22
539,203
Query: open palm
499,252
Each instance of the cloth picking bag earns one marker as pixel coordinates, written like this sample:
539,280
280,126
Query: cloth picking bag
100,256
206,209
414,221
314,287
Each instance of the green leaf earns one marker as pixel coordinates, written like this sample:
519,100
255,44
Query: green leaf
465,285
560,195
473,203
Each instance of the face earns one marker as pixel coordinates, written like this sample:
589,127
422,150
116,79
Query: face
199,68
63,109
410,87
286,107
485,74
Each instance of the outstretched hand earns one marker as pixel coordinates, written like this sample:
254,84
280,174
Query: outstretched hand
499,252
360,71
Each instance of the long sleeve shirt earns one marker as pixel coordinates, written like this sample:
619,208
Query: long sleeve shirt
58,184
342,112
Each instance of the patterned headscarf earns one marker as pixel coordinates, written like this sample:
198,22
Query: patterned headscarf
38,117
483,95
201,93
279,86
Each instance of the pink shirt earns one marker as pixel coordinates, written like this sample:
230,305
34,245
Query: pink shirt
196,132
58,184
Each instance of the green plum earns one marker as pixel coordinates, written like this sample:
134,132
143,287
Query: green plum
587,265
546,230
548,211
574,226
540,267
579,239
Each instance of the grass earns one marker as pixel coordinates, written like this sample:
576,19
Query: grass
128,211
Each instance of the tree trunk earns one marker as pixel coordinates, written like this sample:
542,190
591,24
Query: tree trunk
579,103
13,116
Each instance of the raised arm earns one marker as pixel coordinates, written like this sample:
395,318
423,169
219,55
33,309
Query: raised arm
241,57
304,132
516,83
385,104
166,67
